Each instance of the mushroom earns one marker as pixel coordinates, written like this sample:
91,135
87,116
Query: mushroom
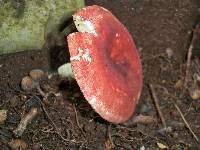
105,63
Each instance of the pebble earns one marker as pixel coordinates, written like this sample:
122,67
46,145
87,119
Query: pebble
3,116
169,52
194,93
27,83
14,101
178,84
37,146
37,74
18,144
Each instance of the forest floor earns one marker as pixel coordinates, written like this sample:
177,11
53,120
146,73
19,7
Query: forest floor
163,33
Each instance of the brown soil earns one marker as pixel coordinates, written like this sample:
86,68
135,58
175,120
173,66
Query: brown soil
162,32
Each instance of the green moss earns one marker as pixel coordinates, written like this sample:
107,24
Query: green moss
24,23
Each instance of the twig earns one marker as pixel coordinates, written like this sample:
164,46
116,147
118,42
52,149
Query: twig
189,55
186,123
137,130
41,92
76,115
157,105
54,125
178,109
48,117
109,134
154,57
109,145
25,120
141,119
3,116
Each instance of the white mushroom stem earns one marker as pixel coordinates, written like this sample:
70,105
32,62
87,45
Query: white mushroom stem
82,26
66,71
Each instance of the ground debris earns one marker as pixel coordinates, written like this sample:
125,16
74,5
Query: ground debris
186,123
155,31
140,119
18,144
25,120
162,146
109,145
3,116
157,105
37,74
189,55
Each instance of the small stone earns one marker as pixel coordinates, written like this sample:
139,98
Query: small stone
175,135
174,113
27,83
3,116
194,93
165,130
169,52
14,101
145,108
37,74
37,146
109,145
140,49
76,95
18,144
142,148
66,70
162,146
178,84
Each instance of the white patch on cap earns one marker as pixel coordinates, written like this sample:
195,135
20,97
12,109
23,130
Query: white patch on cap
82,55
93,101
120,91
98,105
103,110
86,56
84,25
107,112
117,35
78,56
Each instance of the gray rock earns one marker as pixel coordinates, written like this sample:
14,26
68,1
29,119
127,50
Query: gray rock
24,24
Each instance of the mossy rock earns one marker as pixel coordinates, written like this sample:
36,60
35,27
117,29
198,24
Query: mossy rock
24,24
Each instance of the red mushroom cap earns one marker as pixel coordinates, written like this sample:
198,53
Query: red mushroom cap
105,63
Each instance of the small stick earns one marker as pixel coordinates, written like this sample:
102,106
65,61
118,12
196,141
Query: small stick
76,115
189,54
186,123
25,120
52,122
49,118
109,134
41,92
141,119
157,105
178,109
109,143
